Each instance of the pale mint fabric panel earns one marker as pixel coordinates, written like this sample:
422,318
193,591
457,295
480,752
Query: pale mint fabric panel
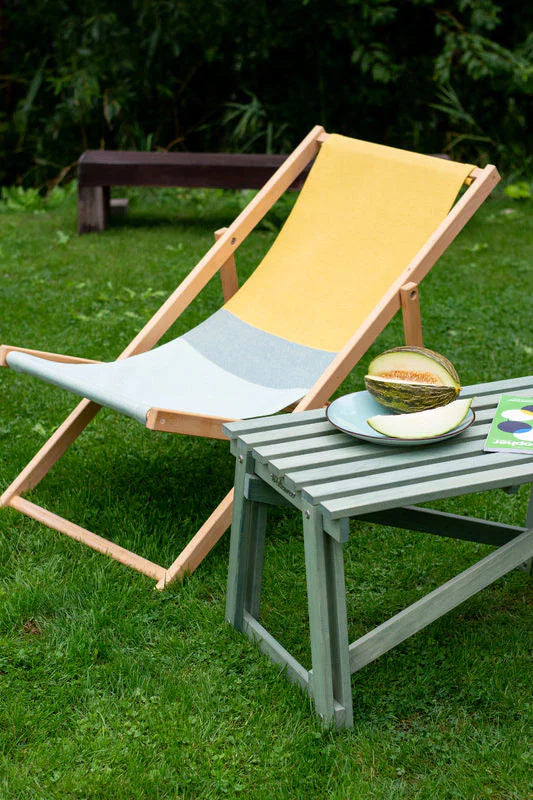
94,381
174,376
256,355
223,367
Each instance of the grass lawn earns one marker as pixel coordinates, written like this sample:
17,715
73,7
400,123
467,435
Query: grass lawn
112,690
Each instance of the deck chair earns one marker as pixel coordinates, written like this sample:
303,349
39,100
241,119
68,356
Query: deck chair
367,226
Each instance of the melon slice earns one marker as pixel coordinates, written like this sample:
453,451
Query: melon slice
411,379
421,424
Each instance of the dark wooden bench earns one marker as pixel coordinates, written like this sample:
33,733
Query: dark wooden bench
98,170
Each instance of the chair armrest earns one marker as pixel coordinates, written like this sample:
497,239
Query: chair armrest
5,349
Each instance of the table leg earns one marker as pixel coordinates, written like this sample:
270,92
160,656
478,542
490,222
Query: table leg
256,558
527,566
246,549
324,562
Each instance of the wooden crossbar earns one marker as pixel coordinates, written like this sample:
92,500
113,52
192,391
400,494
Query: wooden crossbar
275,651
170,421
80,534
5,349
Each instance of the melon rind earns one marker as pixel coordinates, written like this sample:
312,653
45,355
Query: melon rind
409,397
422,424
409,379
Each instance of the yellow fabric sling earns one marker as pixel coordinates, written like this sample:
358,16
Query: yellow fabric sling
364,212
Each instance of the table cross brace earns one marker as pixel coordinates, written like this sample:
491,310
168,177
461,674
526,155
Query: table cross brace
441,600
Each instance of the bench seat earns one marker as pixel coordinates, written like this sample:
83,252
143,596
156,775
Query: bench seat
98,170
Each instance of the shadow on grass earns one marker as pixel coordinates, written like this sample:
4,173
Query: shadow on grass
162,220
148,493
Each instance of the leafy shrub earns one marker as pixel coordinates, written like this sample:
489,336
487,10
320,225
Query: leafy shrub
257,74
16,198
518,191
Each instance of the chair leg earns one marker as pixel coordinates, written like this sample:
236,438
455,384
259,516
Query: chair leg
51,451
41,464
200,545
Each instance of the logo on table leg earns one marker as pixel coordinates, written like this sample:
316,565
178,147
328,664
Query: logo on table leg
519,422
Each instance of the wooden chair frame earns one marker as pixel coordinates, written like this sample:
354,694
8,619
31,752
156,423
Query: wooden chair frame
403,294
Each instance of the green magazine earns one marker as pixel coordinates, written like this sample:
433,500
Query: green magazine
512,426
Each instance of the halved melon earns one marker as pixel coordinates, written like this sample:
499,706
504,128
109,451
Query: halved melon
421,424
412,379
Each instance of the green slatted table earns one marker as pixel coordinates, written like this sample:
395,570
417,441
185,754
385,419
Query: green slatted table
301,460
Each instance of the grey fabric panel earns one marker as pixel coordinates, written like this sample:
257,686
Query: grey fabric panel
256,355
174,376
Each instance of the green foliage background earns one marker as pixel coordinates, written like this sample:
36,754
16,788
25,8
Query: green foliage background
255,75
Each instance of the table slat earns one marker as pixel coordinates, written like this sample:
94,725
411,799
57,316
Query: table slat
396,478
330,441
508,386
287,434
475,436
235,429
479,481
430,454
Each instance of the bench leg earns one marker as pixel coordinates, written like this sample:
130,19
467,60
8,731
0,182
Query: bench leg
324,566
93,208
